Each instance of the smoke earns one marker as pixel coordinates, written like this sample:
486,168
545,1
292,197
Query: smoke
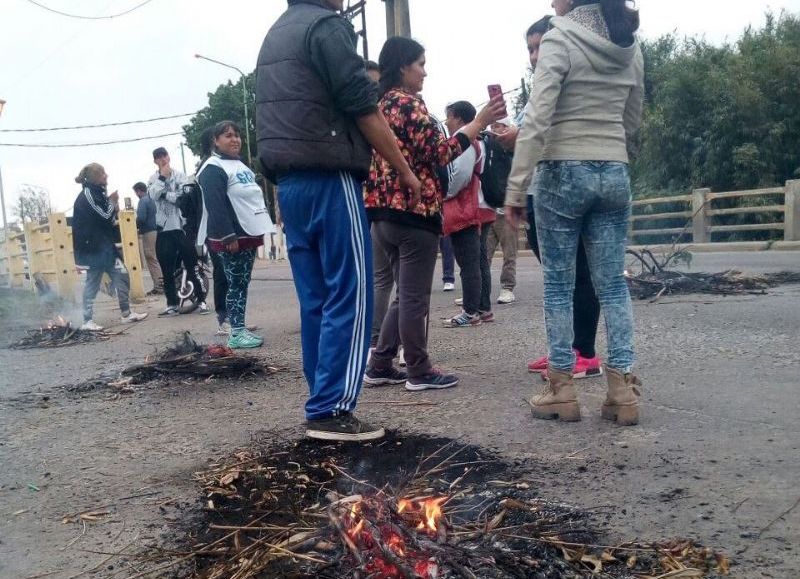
22,310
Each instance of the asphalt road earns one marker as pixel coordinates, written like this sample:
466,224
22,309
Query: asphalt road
716,457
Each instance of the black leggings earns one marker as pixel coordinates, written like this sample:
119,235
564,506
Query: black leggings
585,305
172,248
469,247
220,287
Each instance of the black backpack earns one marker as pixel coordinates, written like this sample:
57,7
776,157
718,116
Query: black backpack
190,204
496,170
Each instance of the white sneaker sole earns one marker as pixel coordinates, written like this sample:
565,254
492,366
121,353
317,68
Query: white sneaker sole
420,387
383,381
345,437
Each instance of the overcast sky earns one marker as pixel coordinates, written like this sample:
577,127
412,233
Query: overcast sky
57,71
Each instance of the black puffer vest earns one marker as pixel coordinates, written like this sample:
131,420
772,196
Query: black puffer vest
297,122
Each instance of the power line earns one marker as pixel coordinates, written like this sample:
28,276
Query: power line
65,145
81,17
119,124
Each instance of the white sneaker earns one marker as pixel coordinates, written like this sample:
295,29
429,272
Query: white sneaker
133,317
506,297
448,287
90,326
170,312
203,309
459,301
224,329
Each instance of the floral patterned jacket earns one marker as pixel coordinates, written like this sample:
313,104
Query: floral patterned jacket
425,148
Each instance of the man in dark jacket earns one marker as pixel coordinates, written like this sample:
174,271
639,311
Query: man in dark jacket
146,226
317,116
94,235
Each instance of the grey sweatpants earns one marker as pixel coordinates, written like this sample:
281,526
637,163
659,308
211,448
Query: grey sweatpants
412,255
119,280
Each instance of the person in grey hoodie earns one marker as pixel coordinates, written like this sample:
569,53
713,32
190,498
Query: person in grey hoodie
172,244
584,110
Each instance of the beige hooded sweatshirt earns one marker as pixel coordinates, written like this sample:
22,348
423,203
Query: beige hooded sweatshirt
586,103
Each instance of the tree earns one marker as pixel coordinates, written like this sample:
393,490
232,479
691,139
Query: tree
32,204
725,117
224,104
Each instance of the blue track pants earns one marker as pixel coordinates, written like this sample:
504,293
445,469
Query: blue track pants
327,237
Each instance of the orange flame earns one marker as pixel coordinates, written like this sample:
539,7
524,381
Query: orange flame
433,512
397,545
403,505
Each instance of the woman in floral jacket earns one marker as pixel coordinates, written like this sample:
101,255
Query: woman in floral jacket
405,227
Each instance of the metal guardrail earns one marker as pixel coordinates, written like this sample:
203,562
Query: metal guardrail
700,212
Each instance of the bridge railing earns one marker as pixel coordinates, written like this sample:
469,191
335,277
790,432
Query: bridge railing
42,257
695,218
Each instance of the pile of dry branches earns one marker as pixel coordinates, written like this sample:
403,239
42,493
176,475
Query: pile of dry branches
657,279
290,510
187,358
58,334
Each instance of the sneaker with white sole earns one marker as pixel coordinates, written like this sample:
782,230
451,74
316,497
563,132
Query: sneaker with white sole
462,320
170,312
91,326
203,309
244,340
133,317
344,427
449,287
506,297
434,380
459,301
387,377
224,329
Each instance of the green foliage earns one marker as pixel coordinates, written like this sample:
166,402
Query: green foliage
724,117
224,104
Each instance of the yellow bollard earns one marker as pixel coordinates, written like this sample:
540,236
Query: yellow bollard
131,254
63,258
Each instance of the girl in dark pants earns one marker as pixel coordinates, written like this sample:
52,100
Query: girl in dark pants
220,294
586,310
235,220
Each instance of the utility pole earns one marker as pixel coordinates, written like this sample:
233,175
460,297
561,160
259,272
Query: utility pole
2,195
398,18
402,18
183,160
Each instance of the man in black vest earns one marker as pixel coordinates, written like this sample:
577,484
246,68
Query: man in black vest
317,119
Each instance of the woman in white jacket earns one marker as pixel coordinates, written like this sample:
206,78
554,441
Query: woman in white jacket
235,220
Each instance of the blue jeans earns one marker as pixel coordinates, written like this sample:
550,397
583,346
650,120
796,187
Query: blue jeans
589,200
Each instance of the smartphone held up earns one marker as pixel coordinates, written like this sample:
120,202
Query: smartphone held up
494,91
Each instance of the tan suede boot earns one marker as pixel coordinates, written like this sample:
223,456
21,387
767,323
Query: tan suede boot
622,400
558,399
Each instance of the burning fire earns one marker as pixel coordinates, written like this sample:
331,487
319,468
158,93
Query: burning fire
382,542
428,510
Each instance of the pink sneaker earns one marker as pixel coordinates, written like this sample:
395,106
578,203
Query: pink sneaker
584,367
536,366
587,367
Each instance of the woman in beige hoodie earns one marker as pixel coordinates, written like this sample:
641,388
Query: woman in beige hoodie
585,107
